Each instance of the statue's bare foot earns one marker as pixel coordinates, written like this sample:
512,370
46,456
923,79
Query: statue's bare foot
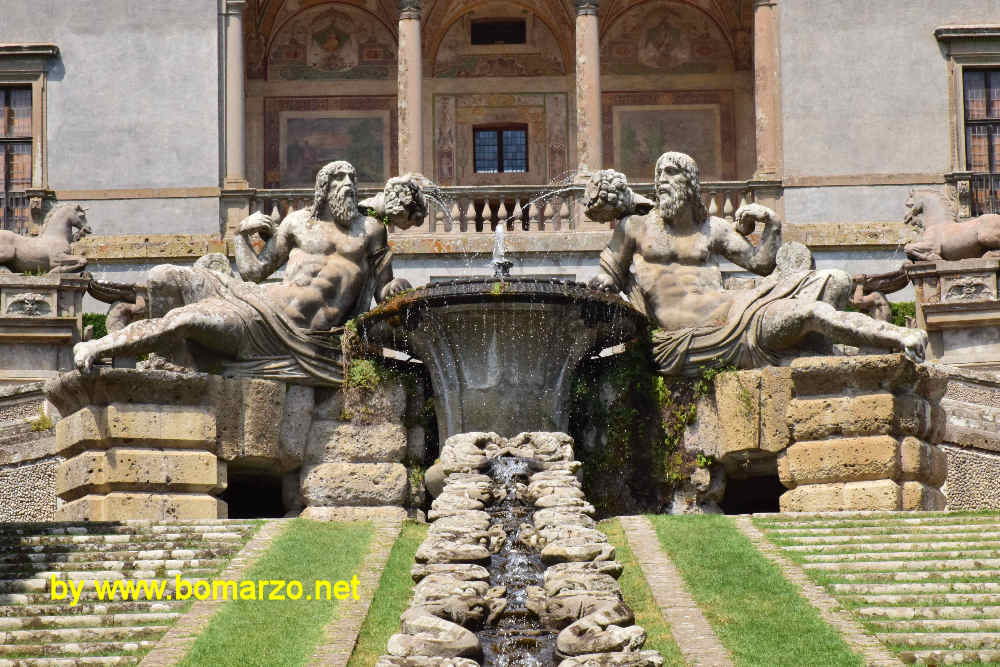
915,345
84,355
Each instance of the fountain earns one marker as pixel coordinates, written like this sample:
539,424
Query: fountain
501,350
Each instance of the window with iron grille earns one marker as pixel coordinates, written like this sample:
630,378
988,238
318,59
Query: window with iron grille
500,149
15,157
981,90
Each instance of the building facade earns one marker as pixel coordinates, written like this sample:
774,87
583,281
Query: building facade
172,121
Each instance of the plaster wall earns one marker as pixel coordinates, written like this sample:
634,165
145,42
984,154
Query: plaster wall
133,99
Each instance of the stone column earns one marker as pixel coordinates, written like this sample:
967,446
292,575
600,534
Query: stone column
767,89
410,96
588,89
235,97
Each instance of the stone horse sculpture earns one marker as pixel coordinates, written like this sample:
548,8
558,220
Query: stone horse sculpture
50,250
943,237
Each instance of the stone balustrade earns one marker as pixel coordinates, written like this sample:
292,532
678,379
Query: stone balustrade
542,208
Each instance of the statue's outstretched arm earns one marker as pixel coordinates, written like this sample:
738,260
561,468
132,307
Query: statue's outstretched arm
735,247
381,257
256,267
616,259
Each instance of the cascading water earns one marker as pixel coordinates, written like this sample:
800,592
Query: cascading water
518,638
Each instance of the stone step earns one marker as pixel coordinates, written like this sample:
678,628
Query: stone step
848,539
907,555
8,560
123,546
946,657
931,566
879,519
77,574
900,588
76,648
888,529
895,545
942,640
937,625
918,600
75,635
89,661
930,612
986,576
70,540
45,607
47,568
7,534
127,524
86,621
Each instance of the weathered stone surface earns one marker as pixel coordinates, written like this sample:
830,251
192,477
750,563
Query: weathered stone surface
738,405
296,420
577,549
610,567
555,516
870,414
261,408
850,496
424,661
775,395
922,462
121,468
363,484
866,374
574,581
168,426
118,506
565,501
442,550
471,520
592,635
547,446
426,635
466,571
630,659
453,599
72,391
920,496
973,481
840,460
556,613
333,441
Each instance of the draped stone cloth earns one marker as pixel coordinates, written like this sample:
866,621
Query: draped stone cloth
272,347
735,343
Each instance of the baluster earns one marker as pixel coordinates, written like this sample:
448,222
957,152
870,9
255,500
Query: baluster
437,222
502,213
564,221
713,208
743,199
456,217
487,217
535,224
469,224
518,216
548,214
727,208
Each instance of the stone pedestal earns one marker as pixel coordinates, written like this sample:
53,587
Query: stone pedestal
845,433
957,303
138,445
40,321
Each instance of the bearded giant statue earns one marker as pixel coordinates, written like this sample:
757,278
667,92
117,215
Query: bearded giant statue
664,256
336,259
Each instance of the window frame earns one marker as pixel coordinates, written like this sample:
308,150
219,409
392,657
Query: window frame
499,19
500,128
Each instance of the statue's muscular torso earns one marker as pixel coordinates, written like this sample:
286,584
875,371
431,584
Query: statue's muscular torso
326,269
680,283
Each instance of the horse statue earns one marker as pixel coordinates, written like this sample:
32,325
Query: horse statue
943,237
50,250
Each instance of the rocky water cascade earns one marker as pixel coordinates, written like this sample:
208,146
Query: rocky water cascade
513,571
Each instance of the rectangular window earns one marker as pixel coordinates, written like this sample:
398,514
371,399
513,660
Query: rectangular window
494,31
15,158
502,149
981,91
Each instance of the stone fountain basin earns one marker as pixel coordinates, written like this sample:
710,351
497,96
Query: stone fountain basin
501,353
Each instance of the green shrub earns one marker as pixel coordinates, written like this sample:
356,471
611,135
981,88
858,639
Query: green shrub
99,323
902,310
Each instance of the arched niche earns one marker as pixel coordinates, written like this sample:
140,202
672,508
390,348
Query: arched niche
332,41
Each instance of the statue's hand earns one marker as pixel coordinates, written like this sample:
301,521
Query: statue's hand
258,223
394,287
748,215
608,197
603,282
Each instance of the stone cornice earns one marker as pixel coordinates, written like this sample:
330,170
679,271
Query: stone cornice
29,50
235,7
585,7
949,32
409,9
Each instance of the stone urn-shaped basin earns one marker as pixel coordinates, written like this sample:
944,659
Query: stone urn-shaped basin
501,353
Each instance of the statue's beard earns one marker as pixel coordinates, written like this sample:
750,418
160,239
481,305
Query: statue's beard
343,207
671,201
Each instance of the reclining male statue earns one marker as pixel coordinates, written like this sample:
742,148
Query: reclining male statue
336,259
675,246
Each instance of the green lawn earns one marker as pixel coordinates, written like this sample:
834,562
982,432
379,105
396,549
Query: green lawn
279,633
640,598
391,598
756,613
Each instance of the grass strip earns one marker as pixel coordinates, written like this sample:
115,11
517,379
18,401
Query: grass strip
756,613
393,595
639,597
273,633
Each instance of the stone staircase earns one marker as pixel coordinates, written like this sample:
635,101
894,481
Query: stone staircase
36,630
926,584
